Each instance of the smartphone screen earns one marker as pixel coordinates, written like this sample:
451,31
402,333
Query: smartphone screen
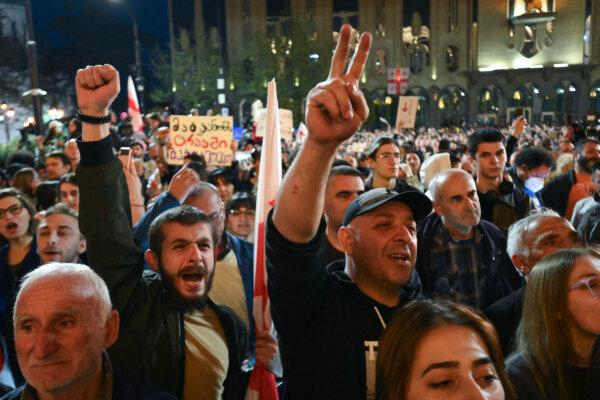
125,156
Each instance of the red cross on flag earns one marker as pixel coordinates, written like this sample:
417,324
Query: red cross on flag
397,80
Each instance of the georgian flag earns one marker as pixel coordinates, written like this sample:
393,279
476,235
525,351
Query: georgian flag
262,383
133,107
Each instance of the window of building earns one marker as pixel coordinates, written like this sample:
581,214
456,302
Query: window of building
452,58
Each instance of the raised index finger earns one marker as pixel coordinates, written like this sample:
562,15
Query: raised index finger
340,55
357,65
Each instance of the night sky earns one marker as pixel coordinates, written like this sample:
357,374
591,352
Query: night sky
104,32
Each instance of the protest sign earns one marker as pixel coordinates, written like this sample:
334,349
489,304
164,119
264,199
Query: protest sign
211,136
407,112
286,120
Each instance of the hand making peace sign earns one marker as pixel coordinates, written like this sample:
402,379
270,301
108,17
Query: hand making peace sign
336,108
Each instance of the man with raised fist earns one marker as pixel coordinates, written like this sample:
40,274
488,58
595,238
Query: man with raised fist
171,333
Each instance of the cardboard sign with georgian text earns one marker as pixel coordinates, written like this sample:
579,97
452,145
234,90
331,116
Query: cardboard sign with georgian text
211,136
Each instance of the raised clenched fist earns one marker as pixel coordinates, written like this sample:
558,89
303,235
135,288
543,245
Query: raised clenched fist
96,88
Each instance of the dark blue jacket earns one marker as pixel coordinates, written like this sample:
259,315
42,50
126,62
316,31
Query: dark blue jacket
504,277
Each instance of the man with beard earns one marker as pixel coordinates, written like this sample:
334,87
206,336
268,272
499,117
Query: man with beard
566,190
171,334
460,256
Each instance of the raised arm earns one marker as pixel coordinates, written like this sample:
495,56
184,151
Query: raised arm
335,109
96,88
105,215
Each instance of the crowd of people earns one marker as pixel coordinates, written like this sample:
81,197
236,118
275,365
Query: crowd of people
422,264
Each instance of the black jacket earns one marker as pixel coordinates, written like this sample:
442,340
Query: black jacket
10,282
152,337
556,194
328,329
503,278
123,389
519,184
399,186
587,379
505,314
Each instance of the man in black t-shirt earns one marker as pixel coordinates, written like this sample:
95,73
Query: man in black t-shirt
329,324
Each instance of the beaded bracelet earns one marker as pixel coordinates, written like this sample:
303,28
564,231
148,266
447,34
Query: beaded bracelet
89,119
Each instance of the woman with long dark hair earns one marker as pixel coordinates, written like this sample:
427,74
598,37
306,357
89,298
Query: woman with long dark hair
558,354
17,227
437,349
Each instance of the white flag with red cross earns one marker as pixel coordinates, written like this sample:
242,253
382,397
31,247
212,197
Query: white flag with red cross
262,383
133,107
397,80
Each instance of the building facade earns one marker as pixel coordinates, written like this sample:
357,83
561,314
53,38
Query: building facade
13,20
470,60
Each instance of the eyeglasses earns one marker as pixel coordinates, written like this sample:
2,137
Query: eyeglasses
247,213
592,283
388,156
14,210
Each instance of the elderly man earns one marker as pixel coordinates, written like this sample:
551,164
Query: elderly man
461,256
58,240
63,323
530,239
329,324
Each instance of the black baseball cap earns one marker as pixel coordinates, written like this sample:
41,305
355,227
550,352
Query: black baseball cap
417,201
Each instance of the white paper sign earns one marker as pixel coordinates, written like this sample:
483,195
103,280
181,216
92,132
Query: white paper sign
407,112
359,147
286,120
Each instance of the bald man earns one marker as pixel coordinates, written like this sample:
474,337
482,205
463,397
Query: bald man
64,321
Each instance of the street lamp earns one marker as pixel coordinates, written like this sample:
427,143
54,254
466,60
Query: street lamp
171,42
139,79
7,115
35,91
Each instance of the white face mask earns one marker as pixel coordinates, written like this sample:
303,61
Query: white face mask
534,184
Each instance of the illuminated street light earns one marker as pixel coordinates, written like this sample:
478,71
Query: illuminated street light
8,114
